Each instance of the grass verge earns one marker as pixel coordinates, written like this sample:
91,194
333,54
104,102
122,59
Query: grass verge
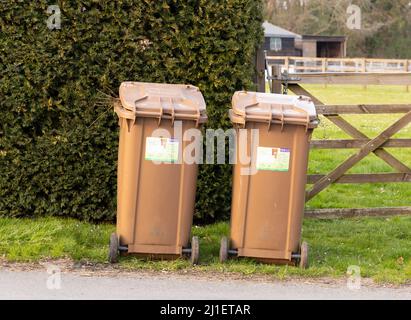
379,246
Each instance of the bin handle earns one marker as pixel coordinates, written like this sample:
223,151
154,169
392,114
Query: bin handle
282,120
159,114
255,104
196,107
292,107
250,106
297,109
140,99
198,118
270,117
172,111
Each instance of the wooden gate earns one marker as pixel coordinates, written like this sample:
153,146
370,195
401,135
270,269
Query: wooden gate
360,141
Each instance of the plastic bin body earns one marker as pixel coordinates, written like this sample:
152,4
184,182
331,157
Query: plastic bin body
155,202
268,206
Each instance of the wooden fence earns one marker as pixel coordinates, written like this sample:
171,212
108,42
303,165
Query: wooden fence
360,141
295,65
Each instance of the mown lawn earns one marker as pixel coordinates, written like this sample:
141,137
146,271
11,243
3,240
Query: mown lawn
379,246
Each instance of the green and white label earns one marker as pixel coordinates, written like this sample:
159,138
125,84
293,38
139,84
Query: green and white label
161,149
273,159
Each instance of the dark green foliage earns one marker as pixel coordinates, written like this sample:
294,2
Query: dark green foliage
55,157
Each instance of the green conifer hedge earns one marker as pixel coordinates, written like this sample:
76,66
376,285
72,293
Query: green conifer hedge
58,131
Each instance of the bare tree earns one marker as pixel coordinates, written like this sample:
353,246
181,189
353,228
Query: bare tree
329,17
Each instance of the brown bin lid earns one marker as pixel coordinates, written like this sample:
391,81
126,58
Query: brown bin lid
174,101
277,108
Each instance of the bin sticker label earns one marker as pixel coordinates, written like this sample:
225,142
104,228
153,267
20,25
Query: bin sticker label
273,159
161,149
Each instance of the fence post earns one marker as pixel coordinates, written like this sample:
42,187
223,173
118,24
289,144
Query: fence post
287,64
324,69
406,70
260,74
364,69
276,84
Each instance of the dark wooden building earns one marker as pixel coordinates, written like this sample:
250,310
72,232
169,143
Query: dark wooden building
279,42
324,46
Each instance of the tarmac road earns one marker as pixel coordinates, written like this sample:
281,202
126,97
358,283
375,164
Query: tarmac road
42,285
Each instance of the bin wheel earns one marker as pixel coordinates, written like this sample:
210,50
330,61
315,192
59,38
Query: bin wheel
304,255
113,251
195,250
224,246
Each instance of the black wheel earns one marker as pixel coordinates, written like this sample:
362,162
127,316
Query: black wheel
304,255
195,250
224,246
113,251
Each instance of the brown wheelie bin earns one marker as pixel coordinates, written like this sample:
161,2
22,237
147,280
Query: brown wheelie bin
268,201
156,188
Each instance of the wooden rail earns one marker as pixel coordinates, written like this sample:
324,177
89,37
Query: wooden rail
403,79
296,65
361,212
